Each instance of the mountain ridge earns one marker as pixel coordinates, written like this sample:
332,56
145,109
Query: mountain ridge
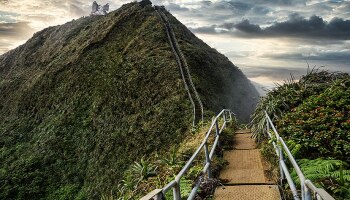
81,101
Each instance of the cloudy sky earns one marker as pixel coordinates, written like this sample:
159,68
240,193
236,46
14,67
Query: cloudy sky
266,39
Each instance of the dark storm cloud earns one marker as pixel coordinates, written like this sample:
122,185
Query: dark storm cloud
280,2
296,26
315,26
227,26
205,29
15,30
247,27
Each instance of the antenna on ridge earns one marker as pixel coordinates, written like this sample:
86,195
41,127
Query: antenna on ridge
105,8
94,7
98,9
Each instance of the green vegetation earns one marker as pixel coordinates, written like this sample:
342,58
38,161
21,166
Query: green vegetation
81,102
155,172
313,117
219,87
72,129
321,124
329,174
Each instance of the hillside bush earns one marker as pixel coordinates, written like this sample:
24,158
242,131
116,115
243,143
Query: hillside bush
313,116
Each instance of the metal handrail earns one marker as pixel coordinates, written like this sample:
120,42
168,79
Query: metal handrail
182,63
175,184
306,185
177,58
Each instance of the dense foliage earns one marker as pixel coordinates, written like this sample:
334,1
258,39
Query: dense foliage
321,124
81,102
313,117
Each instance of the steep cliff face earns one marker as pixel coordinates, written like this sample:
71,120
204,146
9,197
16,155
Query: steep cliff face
81,101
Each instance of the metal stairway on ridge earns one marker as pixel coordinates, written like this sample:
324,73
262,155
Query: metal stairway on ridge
244,176
183,66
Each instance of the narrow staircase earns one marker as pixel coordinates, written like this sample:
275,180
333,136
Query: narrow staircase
244,176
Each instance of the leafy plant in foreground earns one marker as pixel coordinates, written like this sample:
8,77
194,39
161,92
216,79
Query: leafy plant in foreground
173,161
329,174
143,169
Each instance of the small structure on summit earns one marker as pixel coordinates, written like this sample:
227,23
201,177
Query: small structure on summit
144,3
98,9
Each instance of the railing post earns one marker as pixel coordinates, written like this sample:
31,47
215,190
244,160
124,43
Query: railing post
207,159
176,191
307,193
267,126
281,157
217,132
302,187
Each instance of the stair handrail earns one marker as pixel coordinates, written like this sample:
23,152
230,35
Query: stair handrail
227,116
182,63
306,185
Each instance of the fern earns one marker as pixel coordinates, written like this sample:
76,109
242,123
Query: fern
186,187
294,147
319,170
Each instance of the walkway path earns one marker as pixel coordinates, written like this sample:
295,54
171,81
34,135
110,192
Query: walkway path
245,173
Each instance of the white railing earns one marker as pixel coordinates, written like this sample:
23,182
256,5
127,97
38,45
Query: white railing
227,116
306,185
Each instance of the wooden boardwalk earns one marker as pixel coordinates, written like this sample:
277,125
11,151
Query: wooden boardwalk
245,177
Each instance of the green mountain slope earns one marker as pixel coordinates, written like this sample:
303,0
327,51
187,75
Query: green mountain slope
81,101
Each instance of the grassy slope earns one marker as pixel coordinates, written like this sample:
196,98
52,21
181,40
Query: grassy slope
72,121
81,101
